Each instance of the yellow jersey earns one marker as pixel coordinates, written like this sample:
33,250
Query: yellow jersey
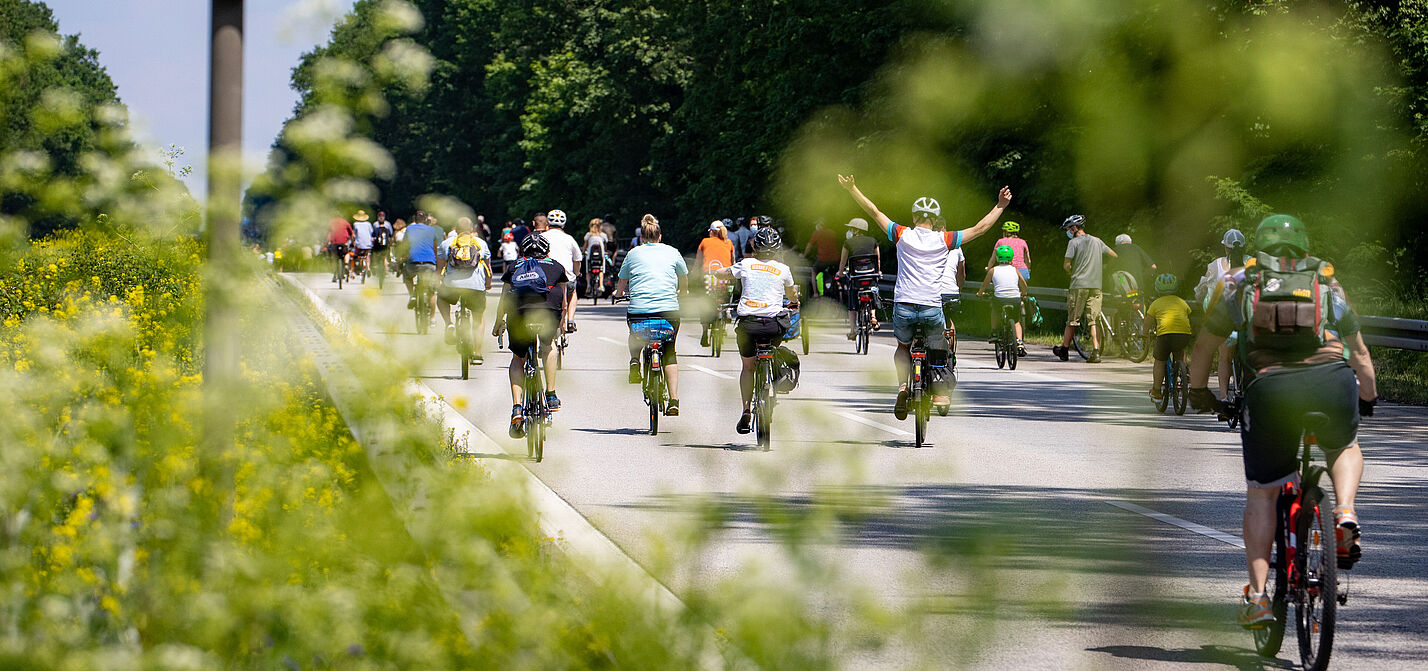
1172,315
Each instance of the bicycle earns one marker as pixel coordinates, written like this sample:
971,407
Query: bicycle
1304,564
764,394
865,288
1127,338
361,264
595,277
538,416
918,398
464,320
339,263
1005,338
424,292
1175,387
561,342
655,333
723,314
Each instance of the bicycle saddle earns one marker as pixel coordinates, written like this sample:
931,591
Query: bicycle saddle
1313,421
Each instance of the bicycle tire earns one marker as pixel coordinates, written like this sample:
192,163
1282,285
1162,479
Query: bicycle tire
1136,346
922,411
1316,558
763,410
1268,639
1001,354
654,398
1167,388
560,353
1182,389
1081,341
1011,355
338,273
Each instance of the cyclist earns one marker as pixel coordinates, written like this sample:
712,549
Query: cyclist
419,249
767,283
1008,289
714,252
1083,299
1132,259
532,294
565,251
653,275
1295,344
1011,237
917,299
1212,286
465,265
382,235
1170,315
826,251
861,257
509,251
954,276
339,236
362,233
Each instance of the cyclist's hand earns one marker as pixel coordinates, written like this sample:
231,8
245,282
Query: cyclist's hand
1366,407
498,329
846,182
1202,400
1003,197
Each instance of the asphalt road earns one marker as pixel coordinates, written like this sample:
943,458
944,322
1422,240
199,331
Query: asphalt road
1044,527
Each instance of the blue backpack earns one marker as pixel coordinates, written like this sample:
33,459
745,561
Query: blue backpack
528,277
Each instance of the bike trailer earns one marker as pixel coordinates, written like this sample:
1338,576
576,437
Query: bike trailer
652,330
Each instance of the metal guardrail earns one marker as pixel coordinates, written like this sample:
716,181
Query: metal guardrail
1390,332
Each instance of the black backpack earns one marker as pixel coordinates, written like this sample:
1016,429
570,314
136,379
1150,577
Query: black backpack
381,236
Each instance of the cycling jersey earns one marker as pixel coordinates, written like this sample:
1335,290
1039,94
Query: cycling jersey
922,255
765,284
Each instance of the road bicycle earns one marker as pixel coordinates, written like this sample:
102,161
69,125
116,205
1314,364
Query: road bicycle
1005,339
655,333
465,321
1304,565
538,416
1175,387
919,396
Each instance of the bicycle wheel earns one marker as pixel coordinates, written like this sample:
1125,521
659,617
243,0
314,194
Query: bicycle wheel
1317,581
654,398
1167,388
763,408
1181,389
1011,354
1081,342
1001,354
922,411
560,353
421,318
716,337
338,274
1267,639
1134,343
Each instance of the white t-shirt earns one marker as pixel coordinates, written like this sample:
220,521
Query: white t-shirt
509,251
564,250
364,234
467,278
1006,281
922,255
765,284
949,273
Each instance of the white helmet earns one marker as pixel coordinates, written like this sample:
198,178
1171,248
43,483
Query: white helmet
556,218
928,206
1123,239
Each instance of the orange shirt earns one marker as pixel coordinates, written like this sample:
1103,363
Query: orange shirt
717,253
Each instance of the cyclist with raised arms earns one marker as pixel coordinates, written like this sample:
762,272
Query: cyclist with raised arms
917,299
767,282
532,293
653,275
1300,341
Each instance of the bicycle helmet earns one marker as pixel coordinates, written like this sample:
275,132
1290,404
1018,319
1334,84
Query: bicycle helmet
765,220
1005,254
767,240
1282,234
1233,238
927,205
1166,284
1074,220
1123,239
556,218
1011,227
535,246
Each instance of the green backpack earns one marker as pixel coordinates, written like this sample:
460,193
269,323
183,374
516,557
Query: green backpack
1286,303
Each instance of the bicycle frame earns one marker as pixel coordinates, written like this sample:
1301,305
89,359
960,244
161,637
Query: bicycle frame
537,415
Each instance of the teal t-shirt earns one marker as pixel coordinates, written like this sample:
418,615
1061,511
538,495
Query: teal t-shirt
653,271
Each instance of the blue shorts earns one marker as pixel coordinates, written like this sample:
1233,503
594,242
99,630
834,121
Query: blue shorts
1025,273
910,320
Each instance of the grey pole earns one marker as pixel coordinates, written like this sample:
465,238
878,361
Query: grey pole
225,137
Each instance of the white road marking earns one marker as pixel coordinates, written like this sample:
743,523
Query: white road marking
612,341
1183,524
893,430
715,373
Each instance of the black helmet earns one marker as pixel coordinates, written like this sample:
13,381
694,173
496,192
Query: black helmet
767,240
765,220
535,246
1074,220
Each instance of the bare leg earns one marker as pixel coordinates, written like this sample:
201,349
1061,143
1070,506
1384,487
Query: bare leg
902,359
1259,534
671,376
517,373
746,382
445,309
550,368
1346,470
1067,336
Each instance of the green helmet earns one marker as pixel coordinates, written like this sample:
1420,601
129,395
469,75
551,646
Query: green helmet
1011,227
1282,234
1166,284
1005,254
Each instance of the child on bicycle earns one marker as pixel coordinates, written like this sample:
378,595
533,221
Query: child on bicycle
1008,290
1171,316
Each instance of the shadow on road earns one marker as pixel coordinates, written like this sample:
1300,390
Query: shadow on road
1240,658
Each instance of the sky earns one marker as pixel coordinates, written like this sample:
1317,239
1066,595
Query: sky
156,51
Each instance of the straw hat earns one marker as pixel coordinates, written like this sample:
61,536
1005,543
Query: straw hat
360,216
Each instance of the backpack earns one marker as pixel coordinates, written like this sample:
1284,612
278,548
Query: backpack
528,277
381,237
465,252
1286,303
786,370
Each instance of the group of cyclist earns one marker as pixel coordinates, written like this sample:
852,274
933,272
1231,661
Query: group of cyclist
1279,315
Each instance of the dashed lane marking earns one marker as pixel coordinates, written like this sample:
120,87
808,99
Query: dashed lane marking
710,371
1183,524
876,425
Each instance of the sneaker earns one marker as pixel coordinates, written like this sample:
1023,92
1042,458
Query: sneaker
1061,352
852,335
1095,357
635,373
1155,394
518,422
1346,530
1020,348
552,402
900,407
941,402
451,334
569,327
411,303
1256,611
476,360
672,409
746,422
